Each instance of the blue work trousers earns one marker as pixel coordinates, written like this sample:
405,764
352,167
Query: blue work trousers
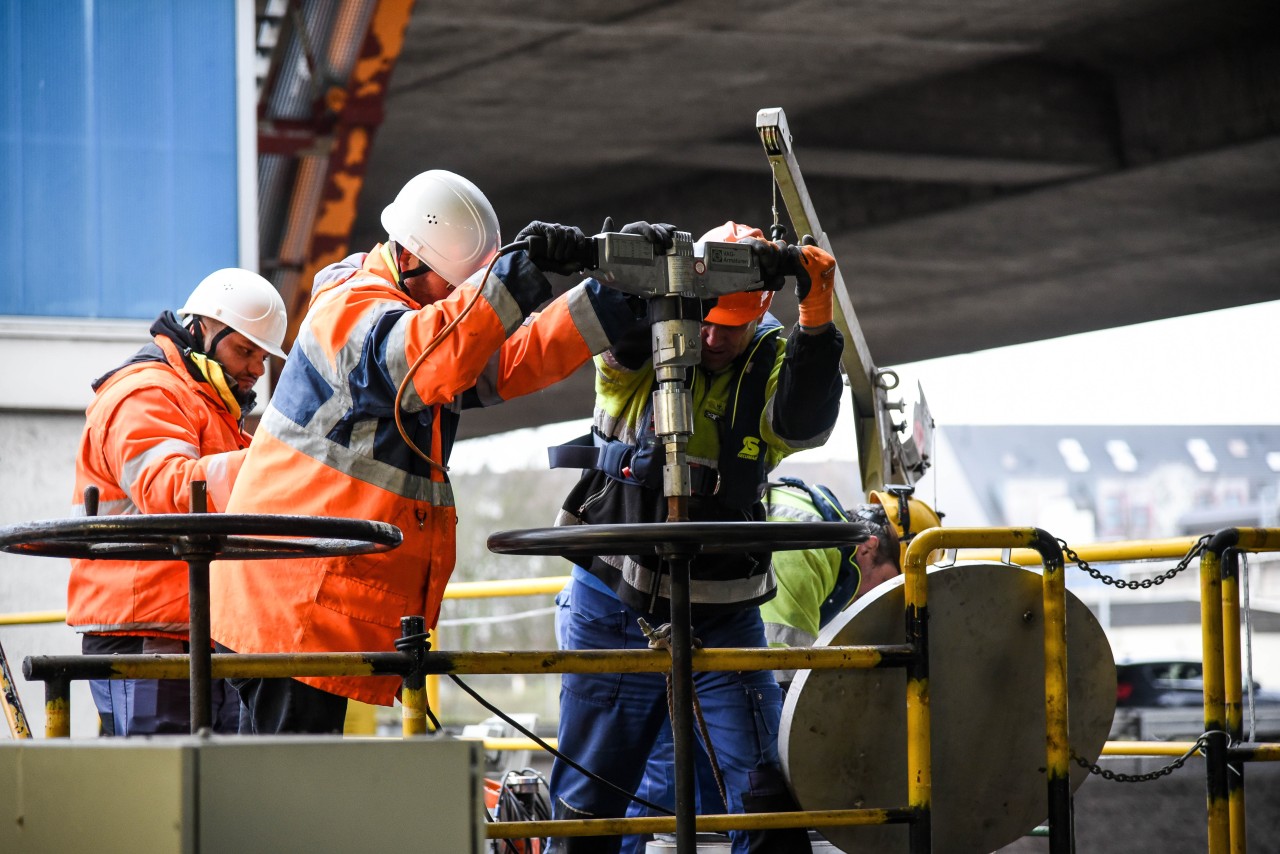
610,723
153,706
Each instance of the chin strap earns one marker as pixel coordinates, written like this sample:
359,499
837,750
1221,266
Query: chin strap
390,256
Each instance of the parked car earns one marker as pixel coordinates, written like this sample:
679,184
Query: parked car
1164,701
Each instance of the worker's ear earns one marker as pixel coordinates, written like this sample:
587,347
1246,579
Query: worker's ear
868,546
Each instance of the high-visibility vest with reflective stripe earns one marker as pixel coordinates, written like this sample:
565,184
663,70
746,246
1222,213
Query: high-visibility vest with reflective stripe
805,577
150,431
328,446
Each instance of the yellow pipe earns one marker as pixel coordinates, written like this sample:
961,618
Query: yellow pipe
1258,539
1214,696
1232,690
433,680
1130,550
454,590
33,617
918,767
1057,749
919,744
1146,748
1258,752
506,587
272,665
1261,752
413,711
57,717
13,712
705,823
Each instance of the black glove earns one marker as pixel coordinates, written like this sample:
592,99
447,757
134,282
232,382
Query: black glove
793,265
772,260
556,248
661,234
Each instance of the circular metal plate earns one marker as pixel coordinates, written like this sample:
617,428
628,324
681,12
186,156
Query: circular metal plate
843,733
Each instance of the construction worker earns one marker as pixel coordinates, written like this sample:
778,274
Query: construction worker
329,443
814,585
757,396
172,414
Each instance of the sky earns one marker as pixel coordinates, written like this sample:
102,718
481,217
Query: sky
1220,367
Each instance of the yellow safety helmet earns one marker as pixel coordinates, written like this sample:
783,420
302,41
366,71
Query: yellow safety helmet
909,516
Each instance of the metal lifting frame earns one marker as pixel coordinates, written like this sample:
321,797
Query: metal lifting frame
879,454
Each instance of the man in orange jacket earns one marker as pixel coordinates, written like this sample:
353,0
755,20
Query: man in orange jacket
172,414
329,443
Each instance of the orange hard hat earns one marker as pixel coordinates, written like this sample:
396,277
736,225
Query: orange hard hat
745,306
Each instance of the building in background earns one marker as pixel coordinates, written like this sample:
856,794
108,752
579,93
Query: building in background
128,158
1093,483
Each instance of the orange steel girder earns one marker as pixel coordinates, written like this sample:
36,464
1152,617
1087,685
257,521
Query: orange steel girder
359,111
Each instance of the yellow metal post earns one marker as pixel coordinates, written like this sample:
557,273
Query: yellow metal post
1056,722
1214,698
919,758
1232,690
57,708
413,691
1057,739
433,682
13,713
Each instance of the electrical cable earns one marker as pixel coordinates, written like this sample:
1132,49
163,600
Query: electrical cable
522,807
435,343
556,753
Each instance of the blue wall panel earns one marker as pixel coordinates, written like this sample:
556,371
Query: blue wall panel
117,154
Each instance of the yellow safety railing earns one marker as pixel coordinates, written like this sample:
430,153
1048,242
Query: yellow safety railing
1220,606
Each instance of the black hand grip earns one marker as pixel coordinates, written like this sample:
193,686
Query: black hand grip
536,246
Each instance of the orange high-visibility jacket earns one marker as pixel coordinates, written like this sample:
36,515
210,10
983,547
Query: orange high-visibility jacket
150,431
328,446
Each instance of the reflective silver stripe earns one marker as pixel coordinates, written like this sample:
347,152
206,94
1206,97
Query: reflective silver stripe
329,413
701,591
504,304
585,318
217,471
118,507
486,385
615,427
787,513
398,365
780,633
795,444
165,448
133,627
363,434
350,463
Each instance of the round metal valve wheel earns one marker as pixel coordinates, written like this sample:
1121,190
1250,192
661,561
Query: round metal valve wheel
178,536
670,539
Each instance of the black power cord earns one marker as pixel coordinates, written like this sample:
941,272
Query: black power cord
574,765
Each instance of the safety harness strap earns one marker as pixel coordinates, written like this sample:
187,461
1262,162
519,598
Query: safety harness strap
615,459
849,577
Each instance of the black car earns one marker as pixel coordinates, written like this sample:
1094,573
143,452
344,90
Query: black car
1164,701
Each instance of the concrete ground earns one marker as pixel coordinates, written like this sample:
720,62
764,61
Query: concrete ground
1165,816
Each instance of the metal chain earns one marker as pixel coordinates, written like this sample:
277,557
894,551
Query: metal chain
1196,549
1108,774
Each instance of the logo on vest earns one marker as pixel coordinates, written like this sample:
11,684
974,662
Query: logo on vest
750,449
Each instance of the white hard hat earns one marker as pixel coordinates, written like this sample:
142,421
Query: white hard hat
246,302
445,221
